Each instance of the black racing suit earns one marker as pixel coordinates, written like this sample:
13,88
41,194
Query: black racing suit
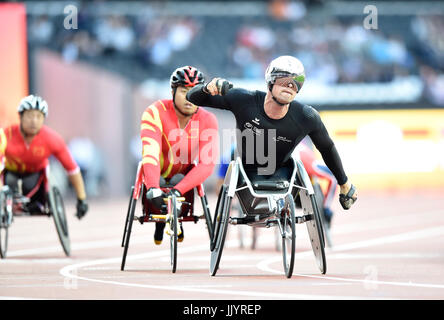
264,144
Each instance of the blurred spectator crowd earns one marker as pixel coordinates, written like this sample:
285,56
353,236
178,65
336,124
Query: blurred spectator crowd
333,49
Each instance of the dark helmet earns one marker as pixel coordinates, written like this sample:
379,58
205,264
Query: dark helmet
186,76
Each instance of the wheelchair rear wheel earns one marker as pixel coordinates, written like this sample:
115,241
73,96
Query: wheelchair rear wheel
319,196
58,212
288,223
216,214
127,218
128,228
314,227
207,214
220,220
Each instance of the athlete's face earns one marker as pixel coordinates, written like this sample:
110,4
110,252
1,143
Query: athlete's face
31,121
184,106
285,89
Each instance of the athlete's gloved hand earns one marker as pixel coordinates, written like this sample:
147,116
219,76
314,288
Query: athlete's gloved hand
155,196
348,199
218,86
82,208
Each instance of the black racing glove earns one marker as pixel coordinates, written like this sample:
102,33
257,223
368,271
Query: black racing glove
82,208
347,200
155,196
223,86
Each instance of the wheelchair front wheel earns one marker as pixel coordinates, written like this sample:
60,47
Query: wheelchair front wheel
58,212
172,210
222,214
3,241
288,224
6,200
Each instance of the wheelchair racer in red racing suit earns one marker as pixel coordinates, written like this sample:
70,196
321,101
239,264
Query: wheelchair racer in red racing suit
24,152
180,145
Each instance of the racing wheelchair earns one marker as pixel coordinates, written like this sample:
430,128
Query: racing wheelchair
14,204
269,203
175,211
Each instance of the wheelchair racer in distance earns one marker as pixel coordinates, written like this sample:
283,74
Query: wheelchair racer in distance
177,153
275,113
24,152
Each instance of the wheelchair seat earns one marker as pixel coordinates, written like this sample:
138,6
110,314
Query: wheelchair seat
276,184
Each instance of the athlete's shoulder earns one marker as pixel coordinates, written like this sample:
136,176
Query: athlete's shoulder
307,111
10,131
51,137
160,105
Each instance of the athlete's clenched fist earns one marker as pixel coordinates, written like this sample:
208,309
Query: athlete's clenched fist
218,86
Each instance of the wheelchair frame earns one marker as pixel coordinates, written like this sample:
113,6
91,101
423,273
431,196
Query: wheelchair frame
274,215
171,218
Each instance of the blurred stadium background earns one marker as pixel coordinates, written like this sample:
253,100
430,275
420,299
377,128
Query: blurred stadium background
99,64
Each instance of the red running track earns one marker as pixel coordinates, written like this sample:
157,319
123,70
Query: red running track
388,246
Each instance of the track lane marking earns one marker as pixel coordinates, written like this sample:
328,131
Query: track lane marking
424,233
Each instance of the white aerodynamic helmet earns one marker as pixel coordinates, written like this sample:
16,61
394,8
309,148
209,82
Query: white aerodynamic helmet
32,102
285,66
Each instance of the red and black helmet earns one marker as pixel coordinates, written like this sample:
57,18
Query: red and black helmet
186,76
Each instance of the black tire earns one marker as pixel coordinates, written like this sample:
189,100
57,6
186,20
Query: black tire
207,213
314,227
221,227
130,219
319,196
3,241
127,217
59,215
288,222
173,236
5,221
216,214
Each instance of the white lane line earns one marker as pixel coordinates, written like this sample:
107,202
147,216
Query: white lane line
232,293
373,256
108,243
36,261
425,233
19,298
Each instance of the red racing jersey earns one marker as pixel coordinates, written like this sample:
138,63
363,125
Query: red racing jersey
18,156
168,150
